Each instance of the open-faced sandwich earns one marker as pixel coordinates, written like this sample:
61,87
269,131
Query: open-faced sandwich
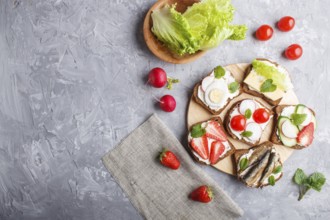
259,166
294,126
208,142
246,121
216,90
268,80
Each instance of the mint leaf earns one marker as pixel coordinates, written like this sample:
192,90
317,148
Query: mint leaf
219,72
246,133
299,177
271,180
197,131
298,119
277,169
243,164
268,86
248,113
232,87
316,181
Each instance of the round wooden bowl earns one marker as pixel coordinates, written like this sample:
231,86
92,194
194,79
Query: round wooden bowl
157,47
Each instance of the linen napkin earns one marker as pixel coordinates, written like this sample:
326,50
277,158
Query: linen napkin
158,192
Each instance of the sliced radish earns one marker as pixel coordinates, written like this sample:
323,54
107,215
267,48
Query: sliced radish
309,116
255,129
200,92
247,104
206,82
289,130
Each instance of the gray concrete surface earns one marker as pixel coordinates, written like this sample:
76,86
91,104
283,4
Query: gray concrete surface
72,85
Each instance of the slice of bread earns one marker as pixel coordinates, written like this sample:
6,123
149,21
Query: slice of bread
274,137
256,93
239,153
227,122
228,153
201,103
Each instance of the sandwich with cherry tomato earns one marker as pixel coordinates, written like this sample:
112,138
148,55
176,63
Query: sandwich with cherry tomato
208,142
267,80
246,121
294,126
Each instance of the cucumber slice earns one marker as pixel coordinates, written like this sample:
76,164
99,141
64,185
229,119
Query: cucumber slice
289,142
289,129
302,109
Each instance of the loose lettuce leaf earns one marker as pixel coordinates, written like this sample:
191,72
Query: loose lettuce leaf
202,26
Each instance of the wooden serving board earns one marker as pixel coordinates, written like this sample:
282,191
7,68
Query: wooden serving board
196,114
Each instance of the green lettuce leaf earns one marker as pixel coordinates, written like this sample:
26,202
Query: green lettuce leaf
202,26
171,28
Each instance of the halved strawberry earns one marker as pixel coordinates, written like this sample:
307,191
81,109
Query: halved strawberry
306,135
200,146
217,149
215,131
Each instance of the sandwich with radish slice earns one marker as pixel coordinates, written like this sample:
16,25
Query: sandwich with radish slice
247,120
208,142
294,126
216,90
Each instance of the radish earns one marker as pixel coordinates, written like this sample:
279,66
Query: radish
289,130
167,103
157,77
255,129
247,104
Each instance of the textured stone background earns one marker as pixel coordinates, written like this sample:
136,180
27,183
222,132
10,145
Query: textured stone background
72,85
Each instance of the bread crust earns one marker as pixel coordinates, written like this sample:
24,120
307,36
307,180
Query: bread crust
240,152
201,103
274,137
255,93
227,121
228,153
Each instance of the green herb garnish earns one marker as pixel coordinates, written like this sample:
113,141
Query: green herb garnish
243,164
219,72
298,119
246,133
268,86
248,113
277,169
271,180
232,87
314,181
197,131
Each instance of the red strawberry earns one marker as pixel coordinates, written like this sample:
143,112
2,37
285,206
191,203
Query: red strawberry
214,131
200,146
202,194
217,149
168,159
306,135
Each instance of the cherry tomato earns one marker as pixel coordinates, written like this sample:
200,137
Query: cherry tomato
261,115
167,103
286,23
238,123
157,77
264,32
293,52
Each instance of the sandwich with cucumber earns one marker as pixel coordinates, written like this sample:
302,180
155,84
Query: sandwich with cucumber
294,126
